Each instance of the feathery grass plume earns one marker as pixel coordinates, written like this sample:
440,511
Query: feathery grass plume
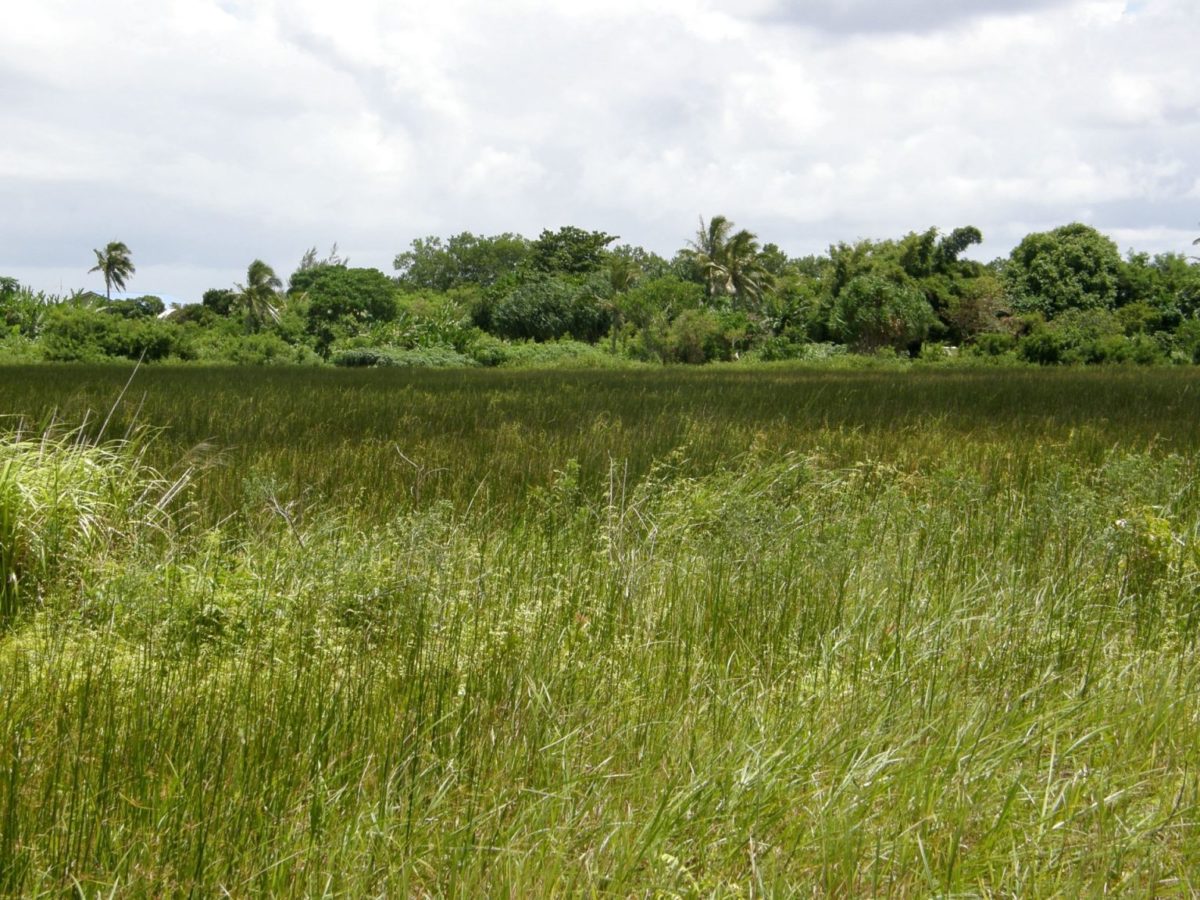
65,499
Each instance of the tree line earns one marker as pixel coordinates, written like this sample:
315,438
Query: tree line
1061,296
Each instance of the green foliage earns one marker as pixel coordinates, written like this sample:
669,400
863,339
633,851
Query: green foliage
81,334
873,312
694,336
432,357
569,251
549,307
1168,283
136,307
561,354
472,294
667,296
263,348
258,298
115,265
220,300
1072,267
336,292
979,306
198,314
342,301
1098,336
729,263
22,311
1042,346
1186,342
993,343
465,258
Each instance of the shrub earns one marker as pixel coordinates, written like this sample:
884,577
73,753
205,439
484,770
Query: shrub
992,343
82,334
423,358
694,337
555,354
136,307
1041,346
264,348
777,348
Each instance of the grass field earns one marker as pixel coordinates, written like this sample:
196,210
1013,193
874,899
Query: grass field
633,633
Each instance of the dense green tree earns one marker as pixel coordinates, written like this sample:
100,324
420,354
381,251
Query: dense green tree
570,251
1072,267
434,264
114,262
258,298
221,301
547,307
873,312
336,292
1168,282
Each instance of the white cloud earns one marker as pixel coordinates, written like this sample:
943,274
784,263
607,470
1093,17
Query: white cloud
217,131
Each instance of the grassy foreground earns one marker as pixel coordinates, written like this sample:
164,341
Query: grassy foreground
634,633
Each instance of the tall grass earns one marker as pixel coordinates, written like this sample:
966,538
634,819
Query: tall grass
66,501
724,638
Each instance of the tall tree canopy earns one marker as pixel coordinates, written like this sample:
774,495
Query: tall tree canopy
433,264
570,250
1072,267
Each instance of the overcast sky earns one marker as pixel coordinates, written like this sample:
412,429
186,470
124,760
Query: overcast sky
206,133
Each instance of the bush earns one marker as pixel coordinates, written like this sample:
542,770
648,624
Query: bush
80,334
1042,346
694,337
567,354
423,358
136,308
777,348
487,350
262,349
992,343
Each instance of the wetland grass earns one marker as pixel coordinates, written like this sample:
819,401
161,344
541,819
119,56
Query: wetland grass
617,634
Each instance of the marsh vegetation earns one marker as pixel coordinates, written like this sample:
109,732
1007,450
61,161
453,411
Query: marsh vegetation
690,632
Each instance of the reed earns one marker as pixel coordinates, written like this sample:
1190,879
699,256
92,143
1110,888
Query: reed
650,633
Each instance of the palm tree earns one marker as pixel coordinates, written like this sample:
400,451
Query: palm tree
116,266
729,261
257,296
748,277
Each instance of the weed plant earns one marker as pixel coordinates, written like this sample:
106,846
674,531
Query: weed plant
616,634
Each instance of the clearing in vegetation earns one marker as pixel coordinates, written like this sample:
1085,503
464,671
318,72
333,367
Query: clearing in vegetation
674,633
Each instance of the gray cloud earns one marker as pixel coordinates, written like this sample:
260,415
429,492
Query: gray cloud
865,16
